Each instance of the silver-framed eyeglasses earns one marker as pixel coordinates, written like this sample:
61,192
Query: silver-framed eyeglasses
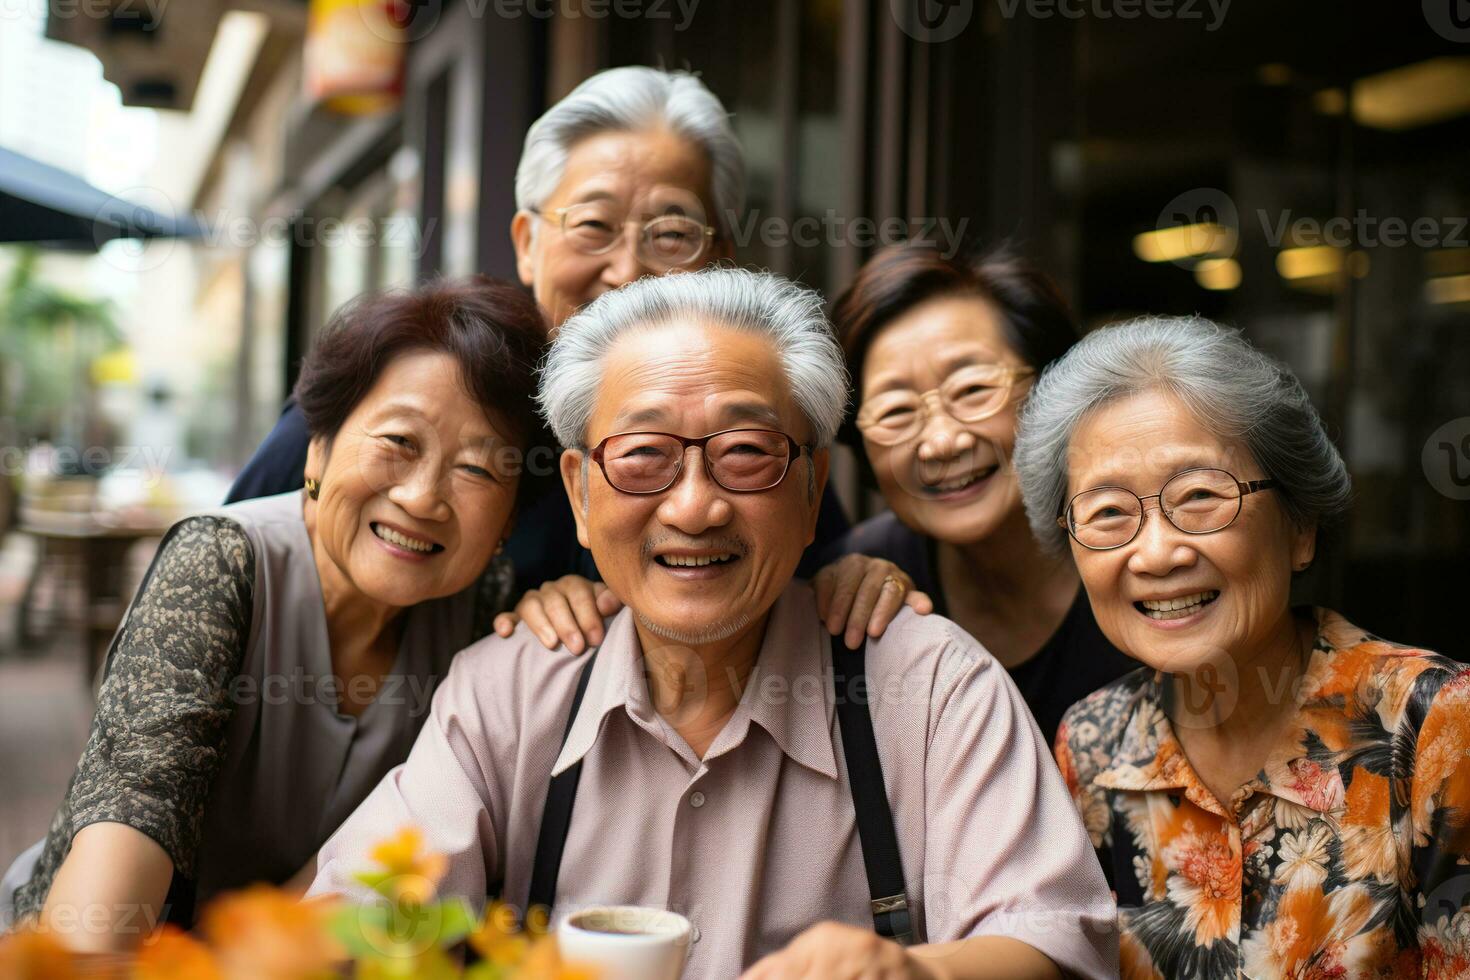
1200,500
740,460
669,241
970,394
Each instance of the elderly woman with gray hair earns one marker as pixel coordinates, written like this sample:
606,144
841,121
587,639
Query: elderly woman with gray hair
1277,793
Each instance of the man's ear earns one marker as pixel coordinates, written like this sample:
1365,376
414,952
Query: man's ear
520,236
820,467
572,472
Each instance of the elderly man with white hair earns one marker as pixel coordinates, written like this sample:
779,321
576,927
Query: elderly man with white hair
814,812
636,172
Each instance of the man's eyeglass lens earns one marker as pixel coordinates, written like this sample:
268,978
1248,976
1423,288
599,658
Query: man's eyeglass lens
742,460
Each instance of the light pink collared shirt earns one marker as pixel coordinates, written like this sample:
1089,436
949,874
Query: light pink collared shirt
756,841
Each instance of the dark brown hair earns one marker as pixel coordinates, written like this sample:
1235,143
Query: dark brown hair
492,329
1036,319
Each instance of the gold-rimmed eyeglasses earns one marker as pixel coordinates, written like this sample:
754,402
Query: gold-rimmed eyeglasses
1200,500
972,393
669,241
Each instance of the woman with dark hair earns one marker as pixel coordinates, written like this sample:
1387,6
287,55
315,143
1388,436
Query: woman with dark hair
280,655
942,353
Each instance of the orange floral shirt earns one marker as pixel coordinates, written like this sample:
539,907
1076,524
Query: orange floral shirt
1348,855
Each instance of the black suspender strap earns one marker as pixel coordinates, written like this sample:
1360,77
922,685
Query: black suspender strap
881,858
557,816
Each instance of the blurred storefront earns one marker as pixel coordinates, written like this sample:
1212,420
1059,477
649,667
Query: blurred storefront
1300,171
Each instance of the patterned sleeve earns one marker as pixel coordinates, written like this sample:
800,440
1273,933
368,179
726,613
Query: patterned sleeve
1440,812
1078,749
156,740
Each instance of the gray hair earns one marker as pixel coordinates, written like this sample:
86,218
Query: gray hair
1236,391
756,302
630,98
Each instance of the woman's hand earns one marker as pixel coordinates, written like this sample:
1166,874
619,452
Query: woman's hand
857,594
569,610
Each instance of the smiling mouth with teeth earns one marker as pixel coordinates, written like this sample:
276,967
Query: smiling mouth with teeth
693,561
403,541
961,483
1185,605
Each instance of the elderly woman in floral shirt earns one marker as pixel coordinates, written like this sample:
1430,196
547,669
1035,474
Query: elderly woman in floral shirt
1277,793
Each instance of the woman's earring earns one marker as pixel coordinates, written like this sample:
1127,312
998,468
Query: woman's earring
313,488
499,548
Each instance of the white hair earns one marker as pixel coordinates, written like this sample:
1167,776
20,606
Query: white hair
790,316
1234,390
631,98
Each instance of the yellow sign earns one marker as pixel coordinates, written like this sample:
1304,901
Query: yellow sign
355,54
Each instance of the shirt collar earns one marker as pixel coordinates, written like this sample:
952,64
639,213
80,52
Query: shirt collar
1149,756
789,692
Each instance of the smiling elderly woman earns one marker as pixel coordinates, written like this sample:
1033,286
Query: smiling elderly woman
1277,793
280,655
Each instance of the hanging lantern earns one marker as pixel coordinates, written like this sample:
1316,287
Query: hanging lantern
355,54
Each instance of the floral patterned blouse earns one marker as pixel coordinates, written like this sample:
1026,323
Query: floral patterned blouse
1348,855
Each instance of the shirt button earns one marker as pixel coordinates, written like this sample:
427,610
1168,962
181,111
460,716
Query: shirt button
696,799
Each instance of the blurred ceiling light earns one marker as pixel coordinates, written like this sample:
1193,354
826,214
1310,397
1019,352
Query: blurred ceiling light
1218,274
1330,101
1184,241
1315,268
1448,289
1414,95
1274,73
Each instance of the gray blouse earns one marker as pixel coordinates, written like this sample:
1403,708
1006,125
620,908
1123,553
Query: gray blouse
217,731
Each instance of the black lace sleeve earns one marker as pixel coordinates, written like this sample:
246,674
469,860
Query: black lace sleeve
157,737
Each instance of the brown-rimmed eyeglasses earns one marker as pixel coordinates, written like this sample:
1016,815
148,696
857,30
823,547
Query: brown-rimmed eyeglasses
740,460
970,394
1200,500
669,241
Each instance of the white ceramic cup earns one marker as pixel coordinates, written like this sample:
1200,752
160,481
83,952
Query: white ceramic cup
626,942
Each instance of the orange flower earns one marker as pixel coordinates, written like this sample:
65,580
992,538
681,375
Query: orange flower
1206,884
28,954
172,954
264,932
407,875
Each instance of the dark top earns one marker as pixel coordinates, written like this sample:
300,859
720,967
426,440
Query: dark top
543,546
1075,661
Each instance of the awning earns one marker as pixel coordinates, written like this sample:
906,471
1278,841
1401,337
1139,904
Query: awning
44,204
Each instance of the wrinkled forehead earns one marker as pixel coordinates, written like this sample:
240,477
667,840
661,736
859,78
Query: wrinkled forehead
693,378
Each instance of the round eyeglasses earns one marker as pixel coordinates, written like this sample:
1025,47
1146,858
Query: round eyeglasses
1202,500
741,460
968,395
670,241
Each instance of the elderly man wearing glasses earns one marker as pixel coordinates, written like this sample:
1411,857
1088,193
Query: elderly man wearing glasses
813,811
